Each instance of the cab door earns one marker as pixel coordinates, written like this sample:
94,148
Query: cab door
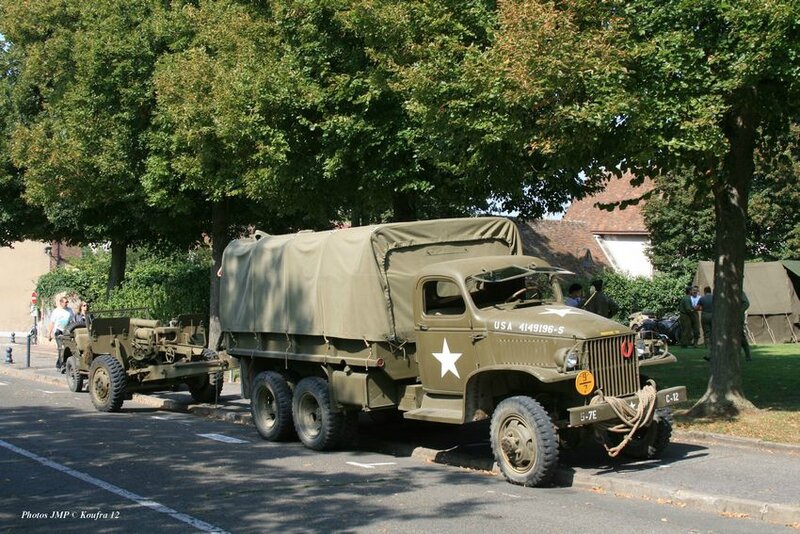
445,349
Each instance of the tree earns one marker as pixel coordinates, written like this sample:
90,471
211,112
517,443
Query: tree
697,85
773,227
219,140
18,220
82,97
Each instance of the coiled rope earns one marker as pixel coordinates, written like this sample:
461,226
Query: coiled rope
632,419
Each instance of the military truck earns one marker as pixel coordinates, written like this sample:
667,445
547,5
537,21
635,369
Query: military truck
442,321
120,355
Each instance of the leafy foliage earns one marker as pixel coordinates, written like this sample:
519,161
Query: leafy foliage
82,98
167,285
659,295
682,224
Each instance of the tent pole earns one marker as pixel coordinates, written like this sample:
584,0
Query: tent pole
791,327
769,330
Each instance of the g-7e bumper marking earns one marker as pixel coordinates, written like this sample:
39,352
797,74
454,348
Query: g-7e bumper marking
594,413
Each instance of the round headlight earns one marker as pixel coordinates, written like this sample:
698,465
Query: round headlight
571,361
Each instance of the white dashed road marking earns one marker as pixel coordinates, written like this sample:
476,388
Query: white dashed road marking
3,383
370,466
116,490
223,438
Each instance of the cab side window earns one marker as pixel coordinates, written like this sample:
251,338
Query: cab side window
443,297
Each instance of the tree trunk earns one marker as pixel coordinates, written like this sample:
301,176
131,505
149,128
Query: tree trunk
724,396
119,258
220,235
404,206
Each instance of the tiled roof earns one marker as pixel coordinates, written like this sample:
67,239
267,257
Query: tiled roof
566,244
618,221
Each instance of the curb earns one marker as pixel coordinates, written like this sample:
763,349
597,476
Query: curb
695,436
741,508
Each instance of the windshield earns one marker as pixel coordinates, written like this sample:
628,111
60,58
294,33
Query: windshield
523,287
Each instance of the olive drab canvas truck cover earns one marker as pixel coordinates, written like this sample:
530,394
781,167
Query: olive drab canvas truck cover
353,283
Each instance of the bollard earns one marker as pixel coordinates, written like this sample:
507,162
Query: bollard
28,351
9,359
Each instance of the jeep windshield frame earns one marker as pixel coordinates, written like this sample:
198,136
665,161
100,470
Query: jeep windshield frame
509,287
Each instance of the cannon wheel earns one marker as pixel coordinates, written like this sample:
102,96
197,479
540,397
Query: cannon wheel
271,406
206,388
73,374
319,426
107,382
524,441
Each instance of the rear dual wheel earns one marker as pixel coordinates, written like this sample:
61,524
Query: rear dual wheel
271,406
319,424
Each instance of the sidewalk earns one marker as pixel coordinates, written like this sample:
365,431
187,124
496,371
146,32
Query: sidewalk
708,472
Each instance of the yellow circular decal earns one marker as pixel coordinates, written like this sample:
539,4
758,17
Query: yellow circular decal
584,382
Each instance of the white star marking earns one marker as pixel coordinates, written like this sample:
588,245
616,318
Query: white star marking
561,312
448,360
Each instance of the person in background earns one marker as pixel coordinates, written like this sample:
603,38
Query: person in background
82,316
59,319
686,311
706,305
600,303
575,298
745,343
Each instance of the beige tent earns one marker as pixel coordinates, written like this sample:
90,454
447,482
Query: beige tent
774,313
354,283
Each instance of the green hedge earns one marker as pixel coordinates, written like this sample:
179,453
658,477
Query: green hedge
660,295
167,285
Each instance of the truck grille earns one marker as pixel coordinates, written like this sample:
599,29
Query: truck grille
614,373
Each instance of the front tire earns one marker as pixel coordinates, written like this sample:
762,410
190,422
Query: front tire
74,376
524,442
271,406
649,443
107,382
319,426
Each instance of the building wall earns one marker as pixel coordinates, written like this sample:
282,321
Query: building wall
21,267
627,253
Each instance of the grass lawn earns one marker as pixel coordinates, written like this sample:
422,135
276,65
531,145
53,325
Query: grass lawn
771,381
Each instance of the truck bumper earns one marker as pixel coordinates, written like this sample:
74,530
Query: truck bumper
595,413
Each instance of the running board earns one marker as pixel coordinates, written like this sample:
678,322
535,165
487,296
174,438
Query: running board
438,409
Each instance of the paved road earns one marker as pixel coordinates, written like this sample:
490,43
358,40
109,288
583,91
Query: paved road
144,469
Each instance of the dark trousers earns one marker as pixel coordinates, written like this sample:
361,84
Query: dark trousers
706,320
60,346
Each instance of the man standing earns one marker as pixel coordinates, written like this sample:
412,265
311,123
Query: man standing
706,305
745,343
600,303
59,319
686,311
575,298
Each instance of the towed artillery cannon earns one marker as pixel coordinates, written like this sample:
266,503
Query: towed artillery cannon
118,356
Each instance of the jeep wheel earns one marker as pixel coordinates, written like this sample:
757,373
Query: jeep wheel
107,382
206,388
74,376
648,443
318,425
271,406
524,441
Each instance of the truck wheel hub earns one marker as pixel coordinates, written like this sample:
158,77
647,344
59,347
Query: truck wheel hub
518,443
